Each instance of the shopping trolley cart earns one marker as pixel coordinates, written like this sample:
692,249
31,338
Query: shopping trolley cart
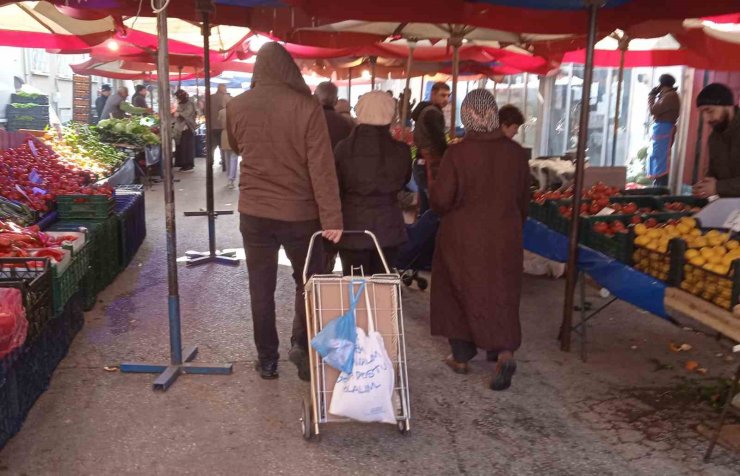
327,297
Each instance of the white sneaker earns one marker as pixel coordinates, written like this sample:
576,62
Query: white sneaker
231,185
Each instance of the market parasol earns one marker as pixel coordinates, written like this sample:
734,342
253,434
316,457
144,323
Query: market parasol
453,35
42,25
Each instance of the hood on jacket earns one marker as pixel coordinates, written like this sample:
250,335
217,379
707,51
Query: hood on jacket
275,66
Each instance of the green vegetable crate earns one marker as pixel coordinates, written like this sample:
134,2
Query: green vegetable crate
104,249
84,207
67,283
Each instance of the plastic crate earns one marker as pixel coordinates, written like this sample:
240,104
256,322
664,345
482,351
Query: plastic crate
67,283
539,211
35,99
10,418
35,111
688,200
84,207
620,246
640,201
33,277
723,291
663,266
131,214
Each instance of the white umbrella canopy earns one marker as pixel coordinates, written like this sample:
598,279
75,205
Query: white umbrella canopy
222,38
42,25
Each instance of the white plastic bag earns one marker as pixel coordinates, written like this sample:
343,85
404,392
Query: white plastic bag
367,393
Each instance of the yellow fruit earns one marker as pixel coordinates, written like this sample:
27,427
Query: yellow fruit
640,229
714,259
683,229
715,240
721,269
698,261
654,233
690,254
695,232
706,252
700,242
711,233
690,222
653,245
642,240
720,251
685,285
732,245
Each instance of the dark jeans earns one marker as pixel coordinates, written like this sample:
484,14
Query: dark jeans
368,259
262,241
185,152
464,351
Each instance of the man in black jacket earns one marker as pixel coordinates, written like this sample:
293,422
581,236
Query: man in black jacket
105,91
717,104
430,138
339,126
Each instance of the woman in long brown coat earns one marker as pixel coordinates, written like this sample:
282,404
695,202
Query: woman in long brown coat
481,192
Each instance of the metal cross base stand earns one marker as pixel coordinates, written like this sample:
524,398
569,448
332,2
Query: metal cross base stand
170,372
196,258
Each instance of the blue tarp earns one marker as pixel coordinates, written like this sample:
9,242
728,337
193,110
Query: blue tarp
621,280
549,4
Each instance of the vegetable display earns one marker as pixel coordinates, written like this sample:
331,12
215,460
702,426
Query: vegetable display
33,175
134,131
19,242
82,147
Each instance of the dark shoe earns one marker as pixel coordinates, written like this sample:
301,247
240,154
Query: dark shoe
187,169
492,356
267,370
504,373
457,367
299,357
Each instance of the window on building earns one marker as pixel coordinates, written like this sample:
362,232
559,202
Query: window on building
39,61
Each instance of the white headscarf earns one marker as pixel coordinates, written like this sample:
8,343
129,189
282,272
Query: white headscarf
376,108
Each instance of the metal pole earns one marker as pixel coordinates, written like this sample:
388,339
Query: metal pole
571,270
526,103
421,88
206,16
407,89
163,77
373,61
349,88
179,77
623,45
456,42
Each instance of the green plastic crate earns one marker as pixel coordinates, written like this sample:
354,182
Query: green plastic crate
64,285
620,246
84,207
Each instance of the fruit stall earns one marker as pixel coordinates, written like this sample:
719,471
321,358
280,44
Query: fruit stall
646,248
65,234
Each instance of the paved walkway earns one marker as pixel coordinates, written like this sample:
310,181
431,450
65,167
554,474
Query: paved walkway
631,409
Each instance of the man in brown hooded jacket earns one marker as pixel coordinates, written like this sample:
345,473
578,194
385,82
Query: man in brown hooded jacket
288,191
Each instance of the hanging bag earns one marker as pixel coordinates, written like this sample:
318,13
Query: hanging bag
366,393
336,341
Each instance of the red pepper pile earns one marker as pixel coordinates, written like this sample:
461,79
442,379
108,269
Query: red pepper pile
17,242
57,177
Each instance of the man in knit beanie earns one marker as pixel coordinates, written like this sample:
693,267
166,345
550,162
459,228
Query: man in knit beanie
716,103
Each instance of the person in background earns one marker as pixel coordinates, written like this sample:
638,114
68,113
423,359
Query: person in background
288,191
105,91
410,107
372,169
116,106
139,97
430,139
717,104
343,107
339,127
228,155
665,107
184,131
481,192
510,119
218,104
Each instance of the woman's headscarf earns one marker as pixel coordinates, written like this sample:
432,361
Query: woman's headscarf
479,111
376,108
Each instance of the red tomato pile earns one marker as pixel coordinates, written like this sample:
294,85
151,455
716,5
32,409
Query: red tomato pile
681,207
611,229
57,178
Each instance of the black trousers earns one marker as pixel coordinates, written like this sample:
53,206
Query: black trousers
420,177
263,238
185,152
661,181
464,351
369,260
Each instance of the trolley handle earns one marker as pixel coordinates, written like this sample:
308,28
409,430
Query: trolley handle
348,232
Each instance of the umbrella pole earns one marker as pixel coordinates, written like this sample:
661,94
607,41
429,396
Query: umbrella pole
407,89
212,256
349,88
421,88
180,362
571,270
179,78
456,42
373,61
623,45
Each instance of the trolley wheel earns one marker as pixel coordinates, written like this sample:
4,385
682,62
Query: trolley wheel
422,283
403,427
407,280
306,425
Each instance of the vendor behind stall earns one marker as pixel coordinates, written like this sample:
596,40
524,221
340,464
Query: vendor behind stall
717,104
117,107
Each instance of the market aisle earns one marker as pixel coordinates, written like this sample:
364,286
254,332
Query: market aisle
624,412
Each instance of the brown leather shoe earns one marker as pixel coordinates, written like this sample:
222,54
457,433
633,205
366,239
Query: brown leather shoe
457,367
